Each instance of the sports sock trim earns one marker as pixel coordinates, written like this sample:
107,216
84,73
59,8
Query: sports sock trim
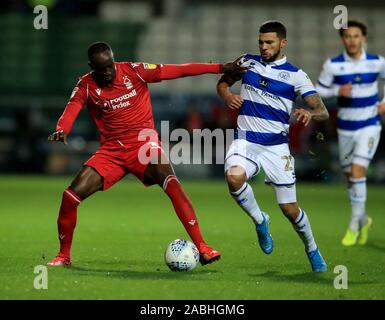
240,191
73,195
302,214
168,179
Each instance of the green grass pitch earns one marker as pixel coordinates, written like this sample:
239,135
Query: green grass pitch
122,234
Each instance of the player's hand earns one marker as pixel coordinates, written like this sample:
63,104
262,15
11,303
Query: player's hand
234,68
58,136
381,108
345,90
303,116
233,101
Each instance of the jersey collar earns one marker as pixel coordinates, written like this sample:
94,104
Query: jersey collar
279,62
349,58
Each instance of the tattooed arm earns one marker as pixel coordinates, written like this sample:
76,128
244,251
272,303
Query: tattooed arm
318,110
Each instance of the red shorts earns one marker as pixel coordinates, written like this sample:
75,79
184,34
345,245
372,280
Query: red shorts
115,159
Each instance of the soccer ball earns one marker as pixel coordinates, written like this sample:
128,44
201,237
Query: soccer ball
181,255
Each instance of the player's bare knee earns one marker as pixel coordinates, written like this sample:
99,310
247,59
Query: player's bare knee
87,182
357,171
290,210
235,177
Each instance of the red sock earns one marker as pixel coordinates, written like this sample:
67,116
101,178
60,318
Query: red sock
183,208
67,220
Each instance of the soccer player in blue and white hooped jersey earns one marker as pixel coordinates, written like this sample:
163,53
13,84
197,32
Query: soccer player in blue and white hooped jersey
269,89
352,77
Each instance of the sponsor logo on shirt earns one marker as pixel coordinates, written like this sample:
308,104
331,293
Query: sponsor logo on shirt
117,103
149,66
260,92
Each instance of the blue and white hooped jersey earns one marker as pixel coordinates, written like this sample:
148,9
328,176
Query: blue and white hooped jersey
359,110
269,91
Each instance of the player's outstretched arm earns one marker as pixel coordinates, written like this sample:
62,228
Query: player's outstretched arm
232,101
318,110
175,71
64,125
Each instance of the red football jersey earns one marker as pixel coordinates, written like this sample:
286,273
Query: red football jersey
123,108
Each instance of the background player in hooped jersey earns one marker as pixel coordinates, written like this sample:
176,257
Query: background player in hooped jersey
265,103
118,100
352,77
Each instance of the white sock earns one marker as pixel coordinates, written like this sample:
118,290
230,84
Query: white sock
302,227
357,196
246,200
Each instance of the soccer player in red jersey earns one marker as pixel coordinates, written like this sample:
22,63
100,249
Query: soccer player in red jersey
118,100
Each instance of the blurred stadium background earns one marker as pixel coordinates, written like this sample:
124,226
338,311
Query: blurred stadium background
40,67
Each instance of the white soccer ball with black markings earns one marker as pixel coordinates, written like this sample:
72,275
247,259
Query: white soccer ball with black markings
181,255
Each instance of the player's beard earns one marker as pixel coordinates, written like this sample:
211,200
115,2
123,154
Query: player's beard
273,57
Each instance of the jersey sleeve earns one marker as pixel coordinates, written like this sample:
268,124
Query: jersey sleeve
304,85
324,84
76,102
326,77
382,75
148,72
382,69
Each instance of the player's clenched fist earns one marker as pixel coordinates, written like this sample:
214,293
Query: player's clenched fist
303,115
346,90
58,136
233,101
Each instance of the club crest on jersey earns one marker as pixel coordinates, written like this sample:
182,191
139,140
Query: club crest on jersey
284,75
127,82
263,82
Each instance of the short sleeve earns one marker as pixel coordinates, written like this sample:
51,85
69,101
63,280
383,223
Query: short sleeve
304,85
326,77
382,69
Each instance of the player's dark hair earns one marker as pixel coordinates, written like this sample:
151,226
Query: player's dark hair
358,24
273,26
98,47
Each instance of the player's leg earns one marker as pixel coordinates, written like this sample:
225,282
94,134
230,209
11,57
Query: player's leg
240,189
286,198
357,196
279,166
365,145
162,173
346,144
86,182
358,191
238,170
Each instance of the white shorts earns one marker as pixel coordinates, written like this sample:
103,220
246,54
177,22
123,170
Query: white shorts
358,146
276,161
